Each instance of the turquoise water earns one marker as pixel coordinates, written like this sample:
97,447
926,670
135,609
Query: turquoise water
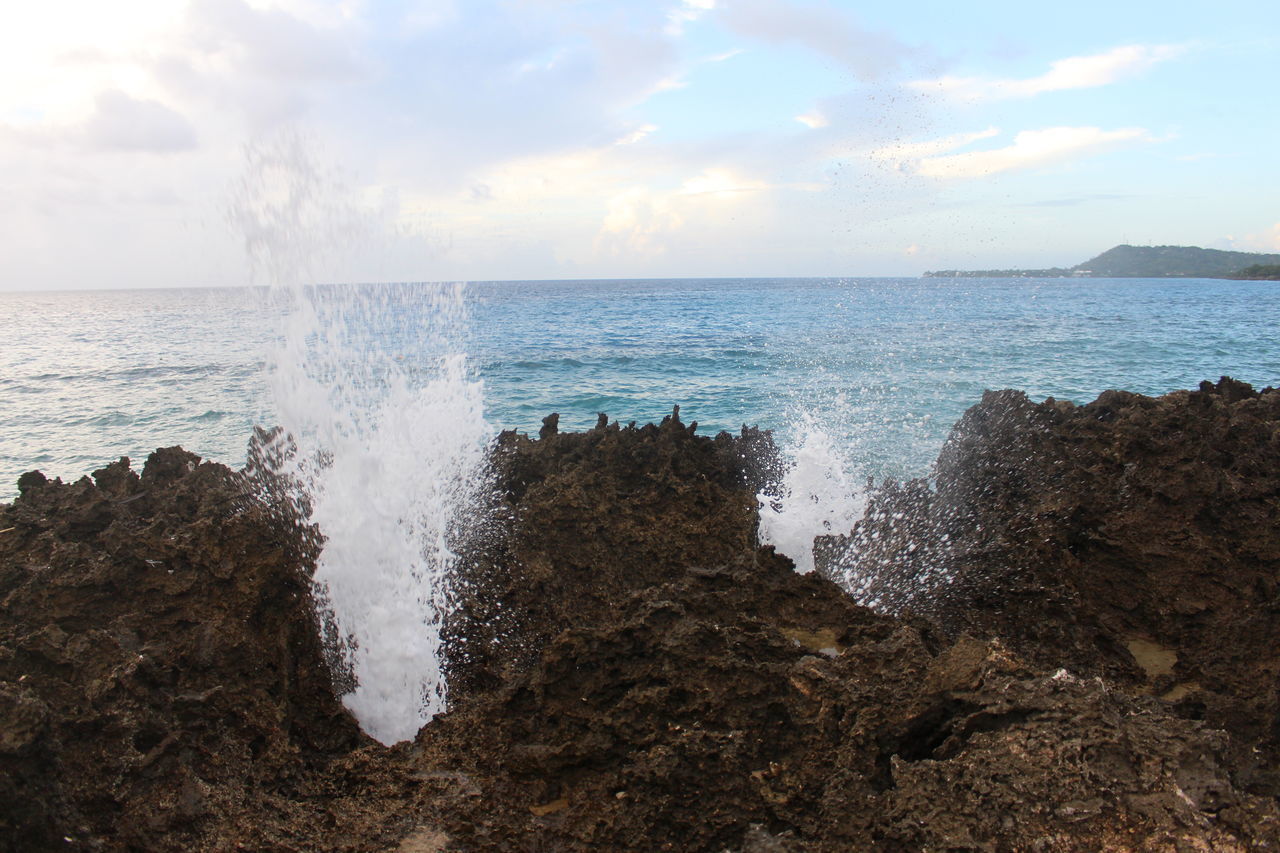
883,366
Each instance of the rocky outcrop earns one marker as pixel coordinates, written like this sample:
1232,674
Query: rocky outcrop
630,671
579,520
1132,538
751,708
160,671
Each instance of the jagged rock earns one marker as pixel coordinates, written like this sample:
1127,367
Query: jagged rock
1134,538
581,519
160,675
630,671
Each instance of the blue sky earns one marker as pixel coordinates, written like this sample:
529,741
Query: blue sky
147,142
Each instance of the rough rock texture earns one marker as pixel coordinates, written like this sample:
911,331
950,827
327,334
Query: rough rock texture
632,672
159,668
748,706
580,519
1134,538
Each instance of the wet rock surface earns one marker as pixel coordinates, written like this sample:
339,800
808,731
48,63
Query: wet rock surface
579,520
1071,653
1132,538
160,672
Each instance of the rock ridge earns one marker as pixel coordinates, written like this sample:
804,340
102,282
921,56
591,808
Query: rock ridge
1073,655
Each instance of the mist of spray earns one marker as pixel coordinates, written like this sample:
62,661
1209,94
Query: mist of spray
817,497
373,386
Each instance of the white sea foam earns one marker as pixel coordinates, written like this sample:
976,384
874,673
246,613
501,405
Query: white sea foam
391,466
818,496
374,387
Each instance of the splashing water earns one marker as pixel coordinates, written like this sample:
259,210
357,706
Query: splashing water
817,496
373,385
390,463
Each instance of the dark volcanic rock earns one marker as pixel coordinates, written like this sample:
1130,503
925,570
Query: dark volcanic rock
579,520
160,676
749,704
630,671
680,689
1134,538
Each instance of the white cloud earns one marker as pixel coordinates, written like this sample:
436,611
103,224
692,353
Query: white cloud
726,55
814,120
668,84
265,66
508,130
645,222
687,12
1075,72
122,123
720,182
55,56
822,28
428,15
529,79
1030,149
1267,240
1272,238
636,223
269,43
636,135
904,154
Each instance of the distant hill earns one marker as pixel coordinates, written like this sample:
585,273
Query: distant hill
1139,262
1258,272
1171,262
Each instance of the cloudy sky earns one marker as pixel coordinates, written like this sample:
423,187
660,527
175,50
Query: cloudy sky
147,142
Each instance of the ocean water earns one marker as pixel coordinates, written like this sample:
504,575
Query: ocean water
879,368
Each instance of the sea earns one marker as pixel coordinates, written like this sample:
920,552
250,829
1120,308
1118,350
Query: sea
393,391
882,367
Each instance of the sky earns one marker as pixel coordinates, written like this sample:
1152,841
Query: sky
157,143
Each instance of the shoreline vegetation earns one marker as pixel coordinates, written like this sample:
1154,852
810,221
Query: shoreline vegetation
1126,261
1073,648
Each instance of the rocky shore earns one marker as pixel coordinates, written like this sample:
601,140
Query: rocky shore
1075,646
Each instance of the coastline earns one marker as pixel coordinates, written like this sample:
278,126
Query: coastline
1074,647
